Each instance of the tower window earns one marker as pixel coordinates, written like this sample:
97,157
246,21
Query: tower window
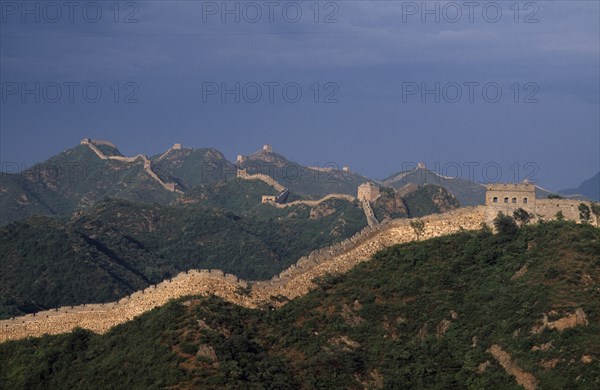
495,200
514,200
524,200
505,200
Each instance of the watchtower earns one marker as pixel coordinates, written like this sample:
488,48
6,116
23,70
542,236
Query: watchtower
368,192
513,196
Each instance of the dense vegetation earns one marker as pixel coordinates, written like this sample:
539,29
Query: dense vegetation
377,326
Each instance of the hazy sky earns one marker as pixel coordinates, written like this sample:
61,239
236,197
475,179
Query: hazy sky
515,90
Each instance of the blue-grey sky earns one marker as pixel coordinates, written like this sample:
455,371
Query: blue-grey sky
365,68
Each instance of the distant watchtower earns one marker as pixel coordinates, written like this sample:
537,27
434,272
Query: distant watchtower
368,192
267,148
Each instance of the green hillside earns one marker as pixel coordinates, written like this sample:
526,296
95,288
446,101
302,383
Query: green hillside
192,167
415,202
73,180
420,315
118,247
303,180
467,192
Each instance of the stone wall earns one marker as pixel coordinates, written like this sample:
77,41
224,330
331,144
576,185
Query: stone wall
369,213
243,174
174,147
311,203
547,208
147,163
291,283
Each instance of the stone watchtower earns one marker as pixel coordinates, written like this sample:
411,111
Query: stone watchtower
368,192
507,198
267,148
514,196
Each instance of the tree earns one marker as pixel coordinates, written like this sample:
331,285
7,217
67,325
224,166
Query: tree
584,212
559,216
596,212
419,227
505,225
521,216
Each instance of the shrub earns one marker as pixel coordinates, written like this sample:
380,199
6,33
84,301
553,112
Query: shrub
584,212
505,225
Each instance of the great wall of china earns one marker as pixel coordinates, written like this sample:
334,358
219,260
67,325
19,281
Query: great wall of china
147,163
311,203
295,281
298,279
243,174
365,203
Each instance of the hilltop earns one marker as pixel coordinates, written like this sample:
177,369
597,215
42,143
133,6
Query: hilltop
94,170
306,181
472,309
467,192
73,180
589,188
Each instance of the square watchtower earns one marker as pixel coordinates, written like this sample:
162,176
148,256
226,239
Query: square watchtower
511,196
